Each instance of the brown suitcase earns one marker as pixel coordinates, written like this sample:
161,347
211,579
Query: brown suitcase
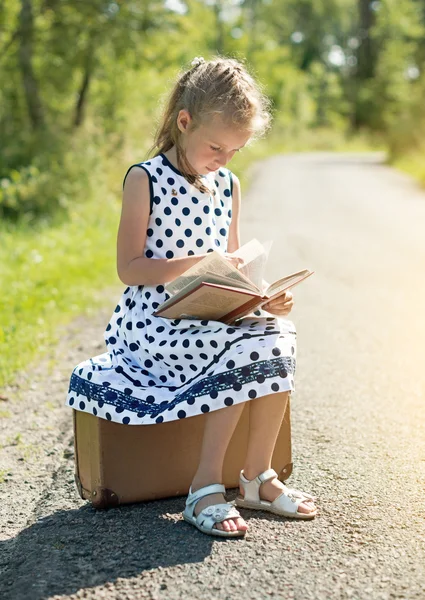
121,464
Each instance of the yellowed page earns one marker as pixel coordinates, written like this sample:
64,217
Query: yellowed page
287,282
207,303
215,263
255,255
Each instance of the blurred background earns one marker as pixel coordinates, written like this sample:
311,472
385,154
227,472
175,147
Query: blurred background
82,84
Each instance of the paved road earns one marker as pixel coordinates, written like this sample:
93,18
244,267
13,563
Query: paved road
358,422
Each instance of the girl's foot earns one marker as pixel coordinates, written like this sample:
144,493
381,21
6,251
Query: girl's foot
271,489
228,524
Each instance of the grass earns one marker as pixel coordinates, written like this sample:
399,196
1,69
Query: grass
412,163
50,274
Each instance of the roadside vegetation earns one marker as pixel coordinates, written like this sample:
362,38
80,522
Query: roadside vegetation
79,104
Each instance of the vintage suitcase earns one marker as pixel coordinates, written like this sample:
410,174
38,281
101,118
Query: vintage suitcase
120,464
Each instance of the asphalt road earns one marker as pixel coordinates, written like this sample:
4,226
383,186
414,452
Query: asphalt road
358,422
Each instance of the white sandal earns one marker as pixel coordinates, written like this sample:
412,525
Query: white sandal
210,515
285,505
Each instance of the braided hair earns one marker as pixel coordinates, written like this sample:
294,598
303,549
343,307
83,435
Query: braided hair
221,86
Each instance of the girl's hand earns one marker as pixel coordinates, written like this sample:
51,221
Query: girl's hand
280,306
234,260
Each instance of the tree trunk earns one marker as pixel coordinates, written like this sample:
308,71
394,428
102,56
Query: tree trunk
366,62
32,96
84,89
366,55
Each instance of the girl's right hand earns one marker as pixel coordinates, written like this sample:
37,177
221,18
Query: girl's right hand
236,261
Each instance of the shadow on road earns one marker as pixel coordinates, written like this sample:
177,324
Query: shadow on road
76,549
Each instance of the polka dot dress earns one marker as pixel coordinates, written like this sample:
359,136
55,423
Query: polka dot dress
157,370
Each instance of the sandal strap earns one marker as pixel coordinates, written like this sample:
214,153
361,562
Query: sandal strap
288,501
216,513
252,488
192,498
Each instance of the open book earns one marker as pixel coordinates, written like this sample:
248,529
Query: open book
215,289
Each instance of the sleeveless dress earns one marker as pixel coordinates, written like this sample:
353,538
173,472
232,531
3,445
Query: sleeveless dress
156,369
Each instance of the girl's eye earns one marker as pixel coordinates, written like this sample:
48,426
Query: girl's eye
213,148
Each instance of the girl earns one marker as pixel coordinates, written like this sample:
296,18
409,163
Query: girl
177,207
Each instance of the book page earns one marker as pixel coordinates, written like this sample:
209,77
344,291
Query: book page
255,256
214,263
287,282
208,277
207,302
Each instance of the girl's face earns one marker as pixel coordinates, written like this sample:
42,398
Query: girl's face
211,145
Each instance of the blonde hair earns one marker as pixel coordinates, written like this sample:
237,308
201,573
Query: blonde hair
221,86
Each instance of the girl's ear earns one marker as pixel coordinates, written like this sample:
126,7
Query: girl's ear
184,120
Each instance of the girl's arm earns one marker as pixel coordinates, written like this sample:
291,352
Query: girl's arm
233,242
132,267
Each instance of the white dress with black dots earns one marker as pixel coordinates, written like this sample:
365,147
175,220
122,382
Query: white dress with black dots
156,369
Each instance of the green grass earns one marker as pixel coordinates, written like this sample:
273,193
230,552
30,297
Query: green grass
51,273
413,164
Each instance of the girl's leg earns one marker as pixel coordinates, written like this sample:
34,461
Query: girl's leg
219,428
265,420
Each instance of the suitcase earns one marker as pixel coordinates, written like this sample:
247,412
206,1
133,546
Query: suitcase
121,464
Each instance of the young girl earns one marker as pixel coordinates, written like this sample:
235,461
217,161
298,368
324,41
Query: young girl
177,207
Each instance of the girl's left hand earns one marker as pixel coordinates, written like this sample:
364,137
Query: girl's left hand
280,306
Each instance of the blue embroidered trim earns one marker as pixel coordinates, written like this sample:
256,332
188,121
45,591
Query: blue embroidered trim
211,384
